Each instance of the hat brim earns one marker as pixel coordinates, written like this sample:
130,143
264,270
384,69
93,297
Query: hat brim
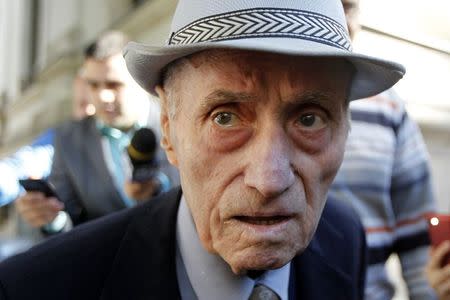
371,77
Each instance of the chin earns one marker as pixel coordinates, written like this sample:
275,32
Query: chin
260,259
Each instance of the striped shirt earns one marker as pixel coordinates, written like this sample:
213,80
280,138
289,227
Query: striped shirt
385,176
33,160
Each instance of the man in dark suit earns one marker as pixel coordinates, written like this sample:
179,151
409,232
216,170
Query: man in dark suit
255,117
90,166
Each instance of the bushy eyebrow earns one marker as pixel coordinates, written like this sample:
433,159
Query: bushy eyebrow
221,96
303,99
229,96
309,97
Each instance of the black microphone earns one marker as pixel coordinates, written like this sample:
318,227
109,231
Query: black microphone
142,151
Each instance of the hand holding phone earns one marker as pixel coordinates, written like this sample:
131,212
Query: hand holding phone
38,185
439,229
35,208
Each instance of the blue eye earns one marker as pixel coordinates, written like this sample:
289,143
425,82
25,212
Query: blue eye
225,119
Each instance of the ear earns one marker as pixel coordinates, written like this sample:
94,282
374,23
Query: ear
167,138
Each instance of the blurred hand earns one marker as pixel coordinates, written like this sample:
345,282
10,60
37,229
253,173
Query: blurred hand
140,191
438,276
37,210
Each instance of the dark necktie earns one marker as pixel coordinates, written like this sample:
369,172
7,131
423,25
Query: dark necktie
261,292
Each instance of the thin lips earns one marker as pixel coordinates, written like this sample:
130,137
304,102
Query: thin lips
257,218
267,214
262,220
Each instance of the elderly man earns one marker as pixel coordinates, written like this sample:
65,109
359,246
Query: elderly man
255,117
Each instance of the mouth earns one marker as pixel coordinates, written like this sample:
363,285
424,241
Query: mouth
263,221
110,109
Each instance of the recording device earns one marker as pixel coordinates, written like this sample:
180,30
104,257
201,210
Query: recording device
38,185
142,152
439,229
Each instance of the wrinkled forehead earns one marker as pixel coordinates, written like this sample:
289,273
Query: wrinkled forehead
262,67
245,59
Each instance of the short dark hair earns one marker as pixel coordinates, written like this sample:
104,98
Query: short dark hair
108,44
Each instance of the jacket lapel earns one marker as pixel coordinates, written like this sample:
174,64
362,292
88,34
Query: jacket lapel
144,267
315,274
93,150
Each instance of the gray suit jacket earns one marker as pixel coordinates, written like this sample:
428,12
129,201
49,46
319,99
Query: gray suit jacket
79,172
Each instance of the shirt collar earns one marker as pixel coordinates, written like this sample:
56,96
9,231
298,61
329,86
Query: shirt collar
112,133
210,276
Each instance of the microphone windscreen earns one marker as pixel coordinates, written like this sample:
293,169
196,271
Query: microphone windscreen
142,146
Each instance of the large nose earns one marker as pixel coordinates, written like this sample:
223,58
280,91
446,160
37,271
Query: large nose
106,95
270,168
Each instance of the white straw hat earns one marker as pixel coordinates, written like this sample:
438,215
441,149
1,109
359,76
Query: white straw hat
293,27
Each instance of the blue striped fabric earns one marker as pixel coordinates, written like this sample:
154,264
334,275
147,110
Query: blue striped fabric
385,176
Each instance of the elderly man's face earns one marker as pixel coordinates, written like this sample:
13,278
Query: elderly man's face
257,139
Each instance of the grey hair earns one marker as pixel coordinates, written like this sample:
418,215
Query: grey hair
171,85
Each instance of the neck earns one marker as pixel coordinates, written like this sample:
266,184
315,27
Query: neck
119,126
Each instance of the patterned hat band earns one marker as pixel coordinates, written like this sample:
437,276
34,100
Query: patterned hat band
264,22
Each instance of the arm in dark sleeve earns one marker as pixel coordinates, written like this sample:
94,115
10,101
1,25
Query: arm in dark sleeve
2,292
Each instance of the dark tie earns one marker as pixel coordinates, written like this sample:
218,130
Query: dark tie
261,292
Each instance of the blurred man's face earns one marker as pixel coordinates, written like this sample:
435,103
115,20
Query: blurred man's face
351,9
82,107
111,91
258,139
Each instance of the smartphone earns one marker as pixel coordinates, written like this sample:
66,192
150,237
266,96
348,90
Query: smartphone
439,229
38,185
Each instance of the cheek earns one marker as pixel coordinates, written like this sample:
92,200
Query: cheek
202,172
311,142
123,96
334,152
317,167
93,97
227,141
209,155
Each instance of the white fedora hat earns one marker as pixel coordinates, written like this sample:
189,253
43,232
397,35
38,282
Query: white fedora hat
292,27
